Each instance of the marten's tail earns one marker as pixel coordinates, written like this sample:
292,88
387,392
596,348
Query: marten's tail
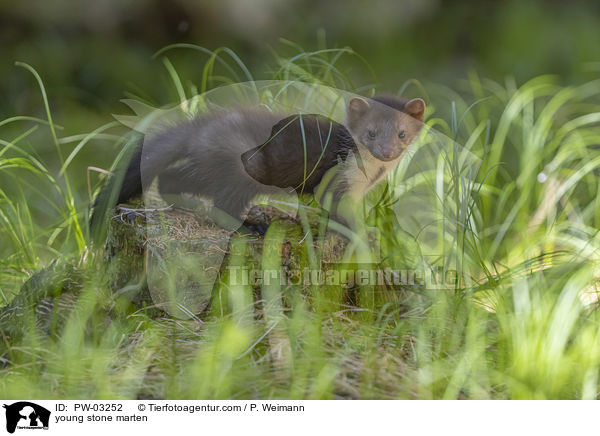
124,184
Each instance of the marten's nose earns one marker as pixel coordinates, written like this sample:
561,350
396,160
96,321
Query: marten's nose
386,153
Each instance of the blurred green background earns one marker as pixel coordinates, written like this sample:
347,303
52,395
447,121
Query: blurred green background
90,52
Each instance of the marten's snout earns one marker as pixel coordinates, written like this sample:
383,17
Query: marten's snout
386,151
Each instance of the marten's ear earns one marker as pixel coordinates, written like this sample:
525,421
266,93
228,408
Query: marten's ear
357,108
415,108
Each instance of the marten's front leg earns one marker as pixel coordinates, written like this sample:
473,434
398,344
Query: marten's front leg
343,205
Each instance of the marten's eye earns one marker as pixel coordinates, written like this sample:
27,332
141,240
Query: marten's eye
401,135
371,134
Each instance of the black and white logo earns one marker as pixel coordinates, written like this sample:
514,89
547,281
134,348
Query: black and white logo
26,415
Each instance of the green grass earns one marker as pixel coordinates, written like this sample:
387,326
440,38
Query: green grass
514,222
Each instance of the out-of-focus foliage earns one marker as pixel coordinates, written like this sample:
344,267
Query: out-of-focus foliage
95,49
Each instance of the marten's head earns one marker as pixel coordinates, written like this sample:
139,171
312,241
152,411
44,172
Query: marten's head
385,125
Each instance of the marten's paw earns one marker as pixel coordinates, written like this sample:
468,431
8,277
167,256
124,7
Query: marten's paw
254,228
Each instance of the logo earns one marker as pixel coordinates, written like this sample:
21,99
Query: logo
26,415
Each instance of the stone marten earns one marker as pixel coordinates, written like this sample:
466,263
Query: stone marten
231,157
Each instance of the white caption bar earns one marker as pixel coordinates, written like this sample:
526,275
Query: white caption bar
249,417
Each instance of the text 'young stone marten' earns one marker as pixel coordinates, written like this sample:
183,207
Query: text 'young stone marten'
231,157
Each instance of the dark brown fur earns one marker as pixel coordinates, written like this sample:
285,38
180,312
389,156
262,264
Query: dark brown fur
300,150
232,157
